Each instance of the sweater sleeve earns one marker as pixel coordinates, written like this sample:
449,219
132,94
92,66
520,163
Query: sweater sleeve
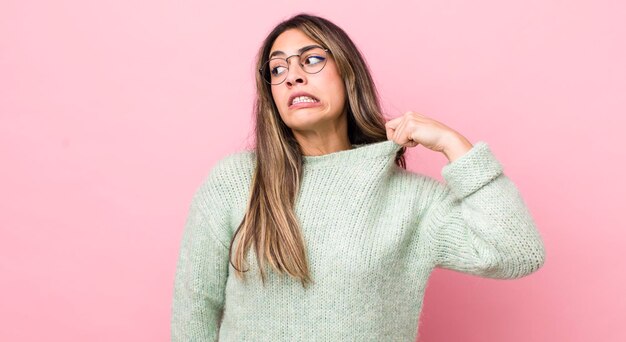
202,267
480,224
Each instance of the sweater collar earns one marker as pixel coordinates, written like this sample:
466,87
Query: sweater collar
359,152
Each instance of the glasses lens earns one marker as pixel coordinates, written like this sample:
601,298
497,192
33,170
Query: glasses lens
312,61
275,70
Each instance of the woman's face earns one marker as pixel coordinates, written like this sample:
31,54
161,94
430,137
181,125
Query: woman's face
326,87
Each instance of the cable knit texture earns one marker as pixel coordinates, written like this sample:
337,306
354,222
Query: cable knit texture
373,234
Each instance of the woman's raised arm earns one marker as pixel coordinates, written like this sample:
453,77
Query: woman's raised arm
480,224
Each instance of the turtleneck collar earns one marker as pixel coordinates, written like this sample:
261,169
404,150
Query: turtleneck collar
359,152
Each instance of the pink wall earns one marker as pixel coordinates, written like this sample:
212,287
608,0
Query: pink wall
111,113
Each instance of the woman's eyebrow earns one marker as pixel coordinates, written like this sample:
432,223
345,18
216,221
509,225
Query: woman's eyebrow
301,50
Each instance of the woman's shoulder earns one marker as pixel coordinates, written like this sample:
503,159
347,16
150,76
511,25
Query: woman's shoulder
420,189
417,179
234,162
461,177
229,172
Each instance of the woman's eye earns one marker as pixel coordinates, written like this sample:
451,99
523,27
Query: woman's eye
314,59
277,70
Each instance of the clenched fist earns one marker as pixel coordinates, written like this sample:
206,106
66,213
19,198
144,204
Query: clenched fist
412,129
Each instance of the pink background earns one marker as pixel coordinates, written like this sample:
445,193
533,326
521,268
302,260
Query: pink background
111,114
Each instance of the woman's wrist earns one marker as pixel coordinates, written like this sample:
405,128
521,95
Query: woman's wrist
456,145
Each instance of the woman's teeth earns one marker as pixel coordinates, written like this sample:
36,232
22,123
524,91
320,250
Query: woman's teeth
302,99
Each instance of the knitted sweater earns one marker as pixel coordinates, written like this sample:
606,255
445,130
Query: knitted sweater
373,234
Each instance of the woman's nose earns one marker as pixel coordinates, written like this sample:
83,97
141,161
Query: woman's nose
295,74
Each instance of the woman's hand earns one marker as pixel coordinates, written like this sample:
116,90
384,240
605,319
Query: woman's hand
412,129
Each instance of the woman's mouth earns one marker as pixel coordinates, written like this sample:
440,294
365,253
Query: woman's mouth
304,102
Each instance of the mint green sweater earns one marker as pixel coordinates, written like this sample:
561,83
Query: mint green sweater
374,232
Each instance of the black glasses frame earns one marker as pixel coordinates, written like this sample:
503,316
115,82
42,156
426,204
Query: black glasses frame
287,62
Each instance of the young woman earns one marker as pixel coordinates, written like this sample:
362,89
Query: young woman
320,233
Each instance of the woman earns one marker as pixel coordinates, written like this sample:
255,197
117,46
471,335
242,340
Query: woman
320,233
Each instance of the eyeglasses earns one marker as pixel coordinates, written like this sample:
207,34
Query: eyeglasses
275,70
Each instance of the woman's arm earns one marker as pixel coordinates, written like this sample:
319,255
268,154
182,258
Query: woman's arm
480,224
202,267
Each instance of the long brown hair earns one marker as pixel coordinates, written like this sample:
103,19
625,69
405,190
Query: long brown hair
270,222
